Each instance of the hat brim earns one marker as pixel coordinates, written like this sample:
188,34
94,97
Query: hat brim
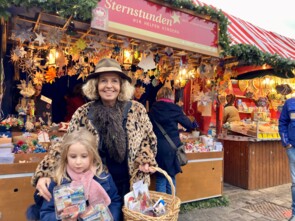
96,75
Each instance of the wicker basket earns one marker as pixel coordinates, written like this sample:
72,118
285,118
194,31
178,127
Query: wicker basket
172,204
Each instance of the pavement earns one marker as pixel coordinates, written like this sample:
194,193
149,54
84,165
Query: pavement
269,204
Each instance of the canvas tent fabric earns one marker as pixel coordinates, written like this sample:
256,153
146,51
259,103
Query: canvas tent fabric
242,32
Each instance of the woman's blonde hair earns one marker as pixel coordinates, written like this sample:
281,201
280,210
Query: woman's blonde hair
165,93
88,140
90,90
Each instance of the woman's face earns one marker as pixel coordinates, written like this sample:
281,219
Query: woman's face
78,158
109,86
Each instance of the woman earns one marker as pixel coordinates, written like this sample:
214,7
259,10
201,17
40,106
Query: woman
125,145
168,115
230,112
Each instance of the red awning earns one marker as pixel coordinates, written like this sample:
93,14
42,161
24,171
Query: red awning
242,32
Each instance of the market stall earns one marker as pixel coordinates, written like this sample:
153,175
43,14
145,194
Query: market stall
253,155
153,43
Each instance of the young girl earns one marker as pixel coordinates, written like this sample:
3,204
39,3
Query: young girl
80,162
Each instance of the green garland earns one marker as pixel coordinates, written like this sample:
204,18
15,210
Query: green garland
82,10
79,9
246,54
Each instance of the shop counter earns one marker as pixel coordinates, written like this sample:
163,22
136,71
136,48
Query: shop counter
202,177
16,191
254,163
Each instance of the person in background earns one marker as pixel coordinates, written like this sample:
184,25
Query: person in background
166,113
80,163
125,138
287,133
43,106
74,100
230,112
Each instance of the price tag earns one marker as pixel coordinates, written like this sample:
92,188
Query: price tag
260,136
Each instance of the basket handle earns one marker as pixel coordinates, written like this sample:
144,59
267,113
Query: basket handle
160,171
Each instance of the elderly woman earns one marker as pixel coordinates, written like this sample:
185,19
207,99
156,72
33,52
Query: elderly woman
168,114
125,144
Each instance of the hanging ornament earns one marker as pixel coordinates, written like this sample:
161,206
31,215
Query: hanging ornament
50,75
40,38
116,50
38,78
157,58
54,36
155,82
71,72
147,62
81,44
26,89
168,51
23,33
83,73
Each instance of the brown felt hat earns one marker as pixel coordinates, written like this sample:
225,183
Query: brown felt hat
106,65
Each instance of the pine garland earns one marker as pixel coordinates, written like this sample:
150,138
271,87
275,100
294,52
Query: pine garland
82,10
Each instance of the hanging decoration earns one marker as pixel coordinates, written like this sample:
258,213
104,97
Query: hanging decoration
26,89
147,61
50,75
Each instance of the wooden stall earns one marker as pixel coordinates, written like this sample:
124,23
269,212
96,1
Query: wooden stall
16,190
201,178
253,164
191,185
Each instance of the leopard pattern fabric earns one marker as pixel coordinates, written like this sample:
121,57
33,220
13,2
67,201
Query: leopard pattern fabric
142,142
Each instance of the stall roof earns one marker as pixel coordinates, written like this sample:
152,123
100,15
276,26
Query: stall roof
242,32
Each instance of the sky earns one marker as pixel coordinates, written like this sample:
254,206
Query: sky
275,16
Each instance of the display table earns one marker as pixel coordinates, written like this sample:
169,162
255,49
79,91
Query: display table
254,164
16,191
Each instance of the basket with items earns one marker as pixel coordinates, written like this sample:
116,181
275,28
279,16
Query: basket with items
144,205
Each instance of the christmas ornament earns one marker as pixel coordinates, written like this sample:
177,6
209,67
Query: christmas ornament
40,38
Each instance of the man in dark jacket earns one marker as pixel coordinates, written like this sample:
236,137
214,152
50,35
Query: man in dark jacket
287,133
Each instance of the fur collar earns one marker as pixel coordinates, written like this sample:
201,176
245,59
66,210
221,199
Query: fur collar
108,122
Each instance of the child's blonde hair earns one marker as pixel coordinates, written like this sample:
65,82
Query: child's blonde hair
88,140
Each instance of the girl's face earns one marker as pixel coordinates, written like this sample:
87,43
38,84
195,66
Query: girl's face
109,86
78,158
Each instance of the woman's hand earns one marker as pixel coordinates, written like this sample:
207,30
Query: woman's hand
146,168
42,187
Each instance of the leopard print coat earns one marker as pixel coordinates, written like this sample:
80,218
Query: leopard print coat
142,142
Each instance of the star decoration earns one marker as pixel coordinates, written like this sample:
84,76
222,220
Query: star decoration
50,75
81,44
71,72
40,38
19,51
38,78
83,73
14,58
23,33
94,45
203,98
54,36
175,18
